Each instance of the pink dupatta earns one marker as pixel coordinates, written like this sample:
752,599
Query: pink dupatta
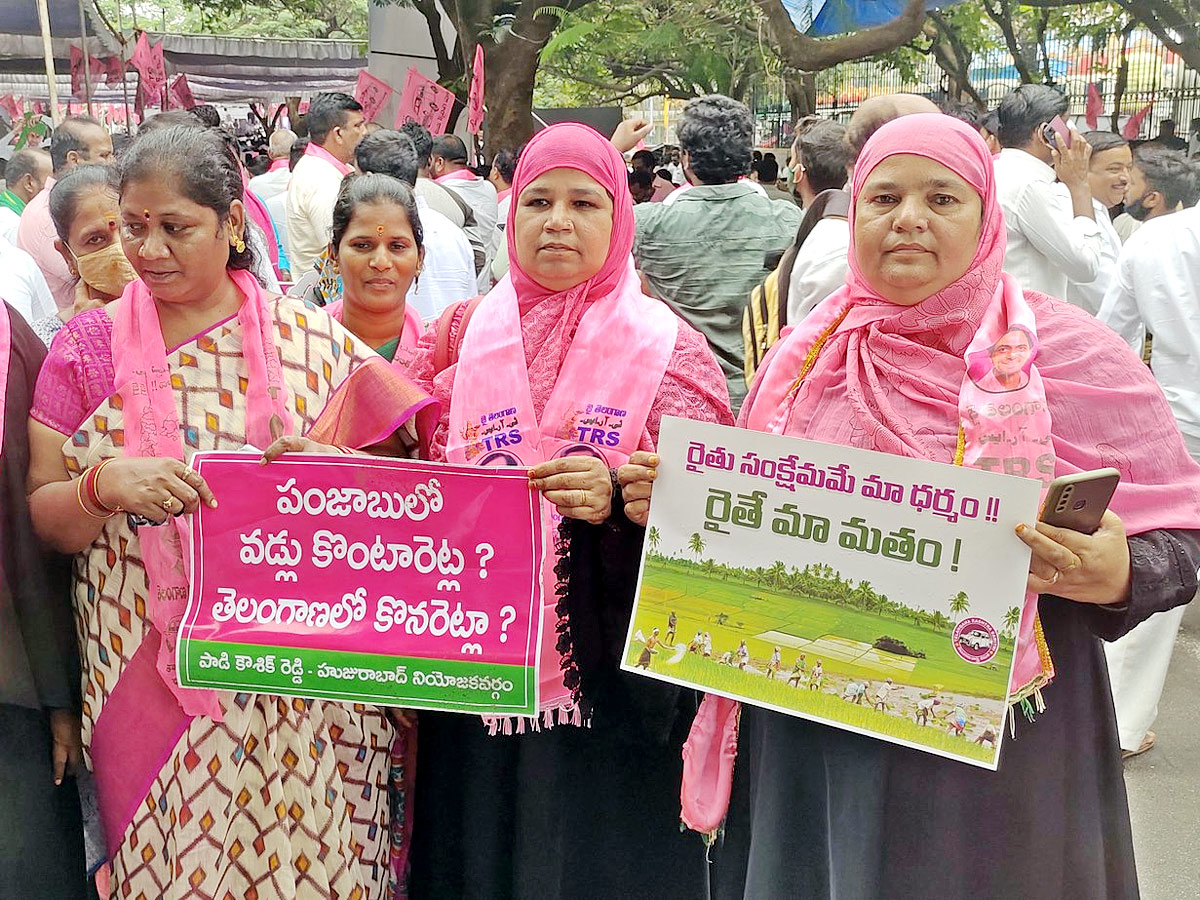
602,325
863,372
143,380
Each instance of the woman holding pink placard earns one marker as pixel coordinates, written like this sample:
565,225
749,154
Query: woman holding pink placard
565,368
201,792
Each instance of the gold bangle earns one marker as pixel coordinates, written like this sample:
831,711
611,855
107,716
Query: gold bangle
96,486
82,505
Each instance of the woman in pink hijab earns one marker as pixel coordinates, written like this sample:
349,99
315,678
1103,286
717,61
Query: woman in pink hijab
894,362
566,369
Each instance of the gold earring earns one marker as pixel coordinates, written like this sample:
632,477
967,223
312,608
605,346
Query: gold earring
239,245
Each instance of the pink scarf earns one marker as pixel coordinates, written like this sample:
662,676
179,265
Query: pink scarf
897,379
143,380
457,175
318,152
414,327
277,165
505,411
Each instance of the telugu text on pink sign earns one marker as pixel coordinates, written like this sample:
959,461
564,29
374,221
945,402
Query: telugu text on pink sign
364,579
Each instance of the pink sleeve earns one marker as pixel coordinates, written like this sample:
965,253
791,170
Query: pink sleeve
77,373
693,387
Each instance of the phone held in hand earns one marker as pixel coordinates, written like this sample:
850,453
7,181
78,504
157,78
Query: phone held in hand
1078,501
1057,134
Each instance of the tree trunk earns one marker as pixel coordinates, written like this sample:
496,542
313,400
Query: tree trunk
809,54
510,75
801,94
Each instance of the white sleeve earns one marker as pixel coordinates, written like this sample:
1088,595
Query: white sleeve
1119,311
1071,243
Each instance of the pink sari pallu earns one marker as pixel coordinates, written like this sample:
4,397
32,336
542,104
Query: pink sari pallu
143,381
599,407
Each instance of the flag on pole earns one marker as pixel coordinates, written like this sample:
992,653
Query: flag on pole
1133,127
424,101
373,93
475,97
180,94
1094,106
148,60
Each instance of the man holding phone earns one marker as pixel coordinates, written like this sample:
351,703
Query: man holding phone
1053,237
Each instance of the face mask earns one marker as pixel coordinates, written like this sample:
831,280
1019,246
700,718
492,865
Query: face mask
106,270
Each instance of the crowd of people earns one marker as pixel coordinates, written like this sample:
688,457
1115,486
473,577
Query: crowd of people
369,292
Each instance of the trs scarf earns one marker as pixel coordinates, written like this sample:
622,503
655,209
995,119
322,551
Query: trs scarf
143,380
618,344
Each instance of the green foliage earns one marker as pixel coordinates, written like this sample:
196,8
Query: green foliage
611,50
342,19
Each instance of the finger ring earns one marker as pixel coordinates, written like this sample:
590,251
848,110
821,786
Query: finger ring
188,472
168,503
1054,578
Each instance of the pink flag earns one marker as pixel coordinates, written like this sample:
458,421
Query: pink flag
475,98
114,71
424,101
148,60
1131,129
372,93
9,104
1094,106
76,71
180,93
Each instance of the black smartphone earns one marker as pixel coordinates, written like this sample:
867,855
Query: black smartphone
1078,501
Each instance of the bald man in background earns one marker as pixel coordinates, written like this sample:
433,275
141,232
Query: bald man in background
24,178
821,262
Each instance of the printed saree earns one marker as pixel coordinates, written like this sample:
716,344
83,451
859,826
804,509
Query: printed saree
285,799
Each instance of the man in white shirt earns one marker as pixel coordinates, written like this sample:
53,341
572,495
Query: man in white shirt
1052,239
24,177
1156,287
822,262
22,284
274,181
1108,177
448,164
448,270
335,126
1160,182
822,158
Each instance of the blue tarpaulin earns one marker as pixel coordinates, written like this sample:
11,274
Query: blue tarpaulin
822,18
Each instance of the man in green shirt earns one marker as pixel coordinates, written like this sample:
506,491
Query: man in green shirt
703,249
24,176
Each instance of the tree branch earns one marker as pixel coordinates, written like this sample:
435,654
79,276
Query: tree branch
813,54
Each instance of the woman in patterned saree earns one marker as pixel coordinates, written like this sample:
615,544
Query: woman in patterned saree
201,794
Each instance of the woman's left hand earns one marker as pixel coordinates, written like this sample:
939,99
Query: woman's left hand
294,444
1088,568
579,486
65,733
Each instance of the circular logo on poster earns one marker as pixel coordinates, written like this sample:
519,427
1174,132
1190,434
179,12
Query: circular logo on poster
975,640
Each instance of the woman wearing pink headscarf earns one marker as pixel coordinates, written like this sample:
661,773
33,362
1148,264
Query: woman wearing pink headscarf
566,368
889,363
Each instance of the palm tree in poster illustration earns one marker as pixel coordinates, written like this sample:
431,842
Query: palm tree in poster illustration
696,544
653,538
1012,619
959,604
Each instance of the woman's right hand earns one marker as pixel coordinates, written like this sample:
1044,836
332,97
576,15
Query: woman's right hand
155,488
637,480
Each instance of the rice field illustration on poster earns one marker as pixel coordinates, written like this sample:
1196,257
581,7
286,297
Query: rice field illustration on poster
865,591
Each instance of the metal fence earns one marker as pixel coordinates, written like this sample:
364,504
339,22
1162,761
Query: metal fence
1153,76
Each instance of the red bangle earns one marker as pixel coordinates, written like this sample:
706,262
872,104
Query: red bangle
90,478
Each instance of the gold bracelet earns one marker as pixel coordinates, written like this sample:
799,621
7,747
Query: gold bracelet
82,505
96,486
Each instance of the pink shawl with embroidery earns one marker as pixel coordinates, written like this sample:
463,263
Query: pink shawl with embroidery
692,386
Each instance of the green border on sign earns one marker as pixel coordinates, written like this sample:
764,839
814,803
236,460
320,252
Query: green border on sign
453,685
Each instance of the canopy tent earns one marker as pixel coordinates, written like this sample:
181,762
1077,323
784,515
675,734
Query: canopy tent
218,69
822,18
